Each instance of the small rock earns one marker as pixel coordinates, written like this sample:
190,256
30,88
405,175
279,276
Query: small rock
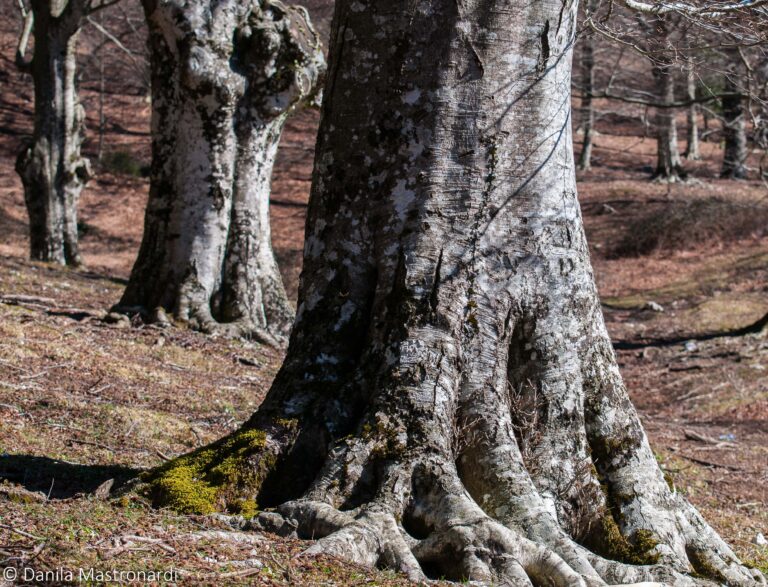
653,307
760,540
102,491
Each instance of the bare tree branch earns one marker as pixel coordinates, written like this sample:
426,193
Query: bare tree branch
114,40
22,62
678,104
101,6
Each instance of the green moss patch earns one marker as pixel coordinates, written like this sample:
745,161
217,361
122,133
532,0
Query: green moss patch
702,566
637,549
225,476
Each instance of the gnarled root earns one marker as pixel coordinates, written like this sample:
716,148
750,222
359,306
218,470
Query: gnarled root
448,535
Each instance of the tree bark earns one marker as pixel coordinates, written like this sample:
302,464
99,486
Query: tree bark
51,167
587,106
734,132
225,79
692,150
450,404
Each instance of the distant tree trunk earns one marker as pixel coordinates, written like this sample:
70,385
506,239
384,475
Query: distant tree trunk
734,132
450,403
692,151
587,106
669,166
50,166
224,82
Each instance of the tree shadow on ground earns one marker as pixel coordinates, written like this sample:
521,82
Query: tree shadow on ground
60,479
757,327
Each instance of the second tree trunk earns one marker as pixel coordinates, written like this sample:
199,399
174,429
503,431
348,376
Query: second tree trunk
224,82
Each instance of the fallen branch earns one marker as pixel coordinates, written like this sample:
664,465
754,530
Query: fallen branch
162,455
146,540
693,435
20,299
226,536
709,463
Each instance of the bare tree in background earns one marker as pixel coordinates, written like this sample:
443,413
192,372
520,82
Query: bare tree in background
587,122
704,41
51,165
734,124
692,150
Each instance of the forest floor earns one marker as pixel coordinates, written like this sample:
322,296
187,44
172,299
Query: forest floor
82,402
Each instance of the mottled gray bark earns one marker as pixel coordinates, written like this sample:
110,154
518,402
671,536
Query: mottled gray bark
692,150
450,404
50,166
734,132
587,106
669,166
225,77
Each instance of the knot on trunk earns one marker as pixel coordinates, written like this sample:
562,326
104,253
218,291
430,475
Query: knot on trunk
280,55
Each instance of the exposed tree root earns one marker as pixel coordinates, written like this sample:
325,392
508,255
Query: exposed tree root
202,320
449,536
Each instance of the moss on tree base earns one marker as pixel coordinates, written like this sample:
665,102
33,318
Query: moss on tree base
223,477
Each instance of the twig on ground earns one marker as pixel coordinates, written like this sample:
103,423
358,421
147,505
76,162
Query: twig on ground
237,574
89,443
709,463
693,435
20,532
162,455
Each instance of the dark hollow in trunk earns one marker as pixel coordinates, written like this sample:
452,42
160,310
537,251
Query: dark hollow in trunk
450,404
224,81
51,167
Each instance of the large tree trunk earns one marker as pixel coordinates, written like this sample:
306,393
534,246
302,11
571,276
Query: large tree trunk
692,150
669,166
225,77
587,106
50,166
734,132
450,403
